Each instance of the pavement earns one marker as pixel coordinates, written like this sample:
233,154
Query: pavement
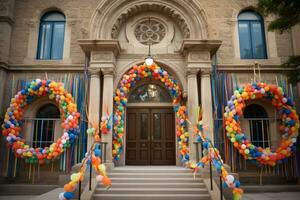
272,196
248,196
24,197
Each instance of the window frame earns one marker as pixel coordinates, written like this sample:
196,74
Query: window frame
43,125
250,33
52,24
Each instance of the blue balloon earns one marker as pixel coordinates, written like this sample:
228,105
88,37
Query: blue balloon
205,145
237,184
225,185
68,195
97,152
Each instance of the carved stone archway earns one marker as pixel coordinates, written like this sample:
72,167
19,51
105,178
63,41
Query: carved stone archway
111,15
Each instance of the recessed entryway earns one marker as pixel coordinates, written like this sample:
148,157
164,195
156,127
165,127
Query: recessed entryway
150,136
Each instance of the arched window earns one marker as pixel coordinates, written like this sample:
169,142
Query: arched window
44,125
251,35
259,124
149,93
51,36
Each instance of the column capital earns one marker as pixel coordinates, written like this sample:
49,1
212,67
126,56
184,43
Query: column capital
206,72
94,72
108,71
192,71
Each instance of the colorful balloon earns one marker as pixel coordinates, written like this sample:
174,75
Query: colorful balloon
287,113
128,81
14,116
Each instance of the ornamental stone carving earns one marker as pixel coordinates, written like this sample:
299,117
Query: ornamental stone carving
149,32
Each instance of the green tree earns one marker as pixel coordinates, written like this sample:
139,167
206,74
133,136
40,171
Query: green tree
287,14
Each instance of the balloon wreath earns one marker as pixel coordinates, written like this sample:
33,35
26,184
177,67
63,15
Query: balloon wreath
126,83
287,113
14,119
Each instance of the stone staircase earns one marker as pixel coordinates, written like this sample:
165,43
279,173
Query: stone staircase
152,182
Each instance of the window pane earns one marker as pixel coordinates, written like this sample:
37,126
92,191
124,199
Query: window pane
258,41
149,93
58,41
249,15
45,41
245,41
157,128
53,16
144,126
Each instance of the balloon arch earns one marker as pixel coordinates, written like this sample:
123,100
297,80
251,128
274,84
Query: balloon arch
128,81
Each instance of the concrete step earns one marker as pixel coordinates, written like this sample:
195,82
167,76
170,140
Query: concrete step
157,185
154,180
152,183
151,169
151,196
150,175
128,190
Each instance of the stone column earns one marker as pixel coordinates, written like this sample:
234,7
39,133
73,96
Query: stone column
94,101
192,104
206,103
107,106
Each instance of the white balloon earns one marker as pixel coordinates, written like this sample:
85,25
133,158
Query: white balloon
99,178
243,146
229,178
61,196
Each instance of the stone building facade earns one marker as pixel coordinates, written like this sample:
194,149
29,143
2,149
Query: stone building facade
194,39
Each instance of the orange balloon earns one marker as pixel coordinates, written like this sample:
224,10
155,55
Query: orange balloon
106,181
68,188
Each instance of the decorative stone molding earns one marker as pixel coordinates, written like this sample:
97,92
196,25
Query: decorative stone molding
88,45
94,72
205,72
210,46
108,71
192,71
179,19
149,31
110,16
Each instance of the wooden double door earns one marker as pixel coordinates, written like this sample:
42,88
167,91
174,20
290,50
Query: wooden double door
150,136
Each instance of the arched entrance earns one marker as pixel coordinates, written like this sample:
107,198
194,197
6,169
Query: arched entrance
146,102
150,126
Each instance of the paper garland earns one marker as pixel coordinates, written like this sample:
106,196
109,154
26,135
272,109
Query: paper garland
14,119
127,82
287,114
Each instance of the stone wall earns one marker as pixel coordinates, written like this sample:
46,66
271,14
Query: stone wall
220,15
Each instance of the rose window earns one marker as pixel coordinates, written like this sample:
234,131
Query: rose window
150,32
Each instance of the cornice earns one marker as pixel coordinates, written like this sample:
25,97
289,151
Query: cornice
43,67
89,45
200,45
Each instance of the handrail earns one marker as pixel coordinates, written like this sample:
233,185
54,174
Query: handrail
210,168
103,156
